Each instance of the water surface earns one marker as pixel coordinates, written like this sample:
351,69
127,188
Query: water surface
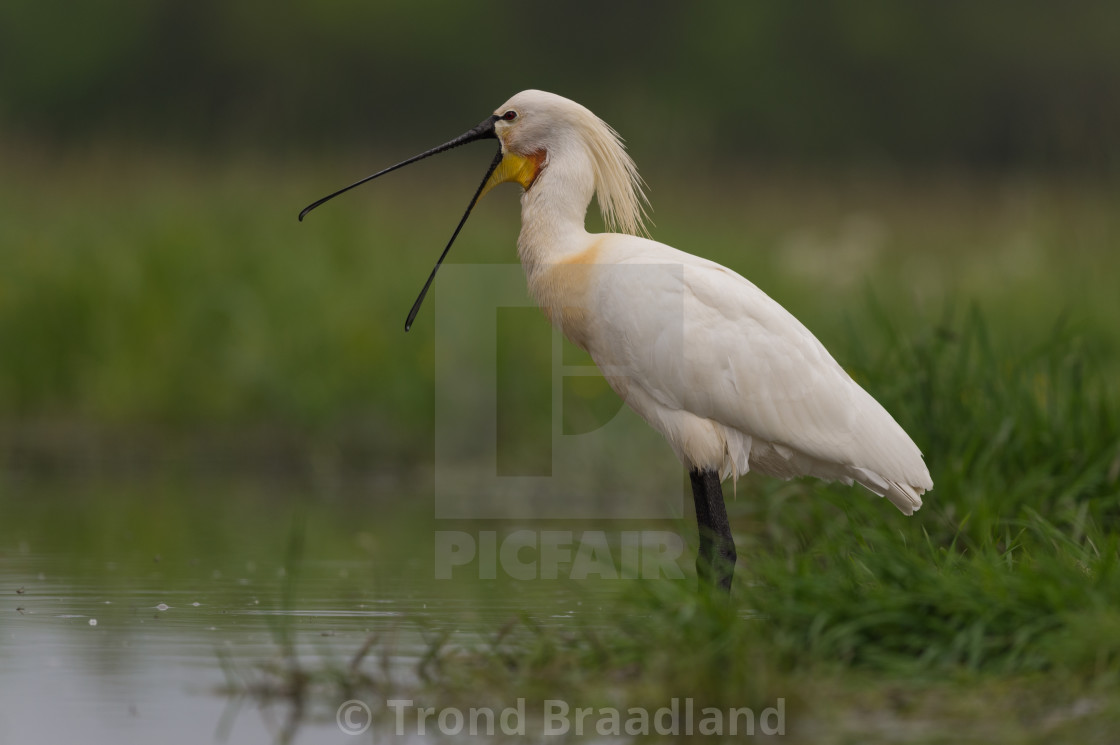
140,612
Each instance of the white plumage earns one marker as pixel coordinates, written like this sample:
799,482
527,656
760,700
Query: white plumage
728,376
731,379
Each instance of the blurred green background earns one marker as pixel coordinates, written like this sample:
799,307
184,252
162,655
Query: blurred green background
987,85
158,297
189,376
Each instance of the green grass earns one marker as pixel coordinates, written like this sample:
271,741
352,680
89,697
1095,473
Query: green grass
155,305
1003,588
149,292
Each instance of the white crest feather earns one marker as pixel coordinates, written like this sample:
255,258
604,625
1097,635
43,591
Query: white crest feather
618,185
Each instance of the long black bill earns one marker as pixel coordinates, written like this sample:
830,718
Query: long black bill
462,221
484,131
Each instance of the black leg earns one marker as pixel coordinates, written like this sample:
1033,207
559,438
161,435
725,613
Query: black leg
716,561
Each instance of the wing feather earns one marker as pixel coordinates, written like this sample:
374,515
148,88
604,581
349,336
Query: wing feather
706,341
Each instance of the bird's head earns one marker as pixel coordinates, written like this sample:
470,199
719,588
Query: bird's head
536,129
522,128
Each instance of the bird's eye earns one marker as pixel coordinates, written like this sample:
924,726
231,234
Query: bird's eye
510,115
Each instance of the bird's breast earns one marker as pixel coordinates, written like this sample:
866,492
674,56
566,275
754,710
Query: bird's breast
562,289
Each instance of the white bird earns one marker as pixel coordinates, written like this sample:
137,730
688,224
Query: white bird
731,379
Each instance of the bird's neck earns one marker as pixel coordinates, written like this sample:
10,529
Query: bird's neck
553,210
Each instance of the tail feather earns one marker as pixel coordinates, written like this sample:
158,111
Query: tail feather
905,497
744,453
